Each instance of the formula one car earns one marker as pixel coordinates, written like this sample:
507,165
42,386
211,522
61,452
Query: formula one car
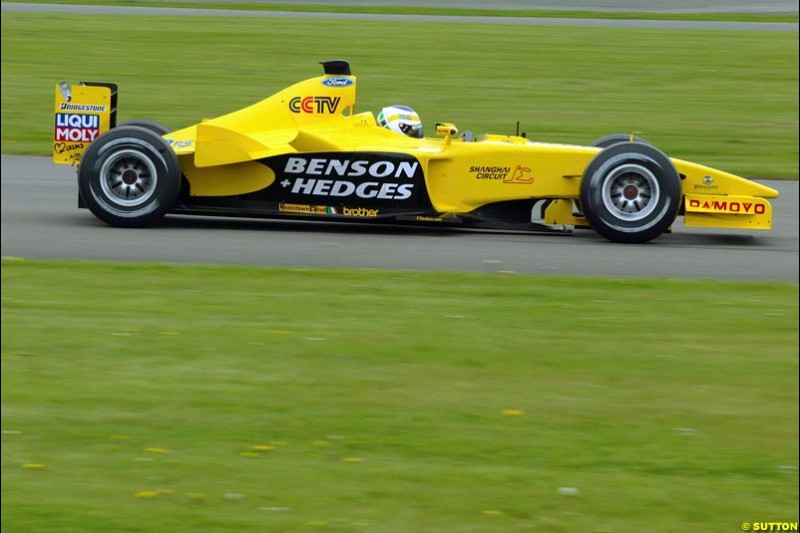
305,153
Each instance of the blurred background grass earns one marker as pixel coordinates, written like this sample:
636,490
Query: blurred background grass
726,99
164,398
485,11
392,402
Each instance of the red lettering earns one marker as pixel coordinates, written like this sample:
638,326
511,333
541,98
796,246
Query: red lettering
314,104
520,175
726,206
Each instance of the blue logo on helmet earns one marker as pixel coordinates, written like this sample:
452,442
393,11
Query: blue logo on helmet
337,82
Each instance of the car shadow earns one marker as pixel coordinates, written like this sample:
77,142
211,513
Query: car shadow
257,224
681,237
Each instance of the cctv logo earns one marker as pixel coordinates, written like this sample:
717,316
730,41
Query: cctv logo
314,104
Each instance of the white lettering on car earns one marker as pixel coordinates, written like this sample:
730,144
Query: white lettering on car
404,191
295,165
362,191
322,188
387,191
316,166
343,188
358,168
345,167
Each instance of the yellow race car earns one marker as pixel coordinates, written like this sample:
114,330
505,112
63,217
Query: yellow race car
305,153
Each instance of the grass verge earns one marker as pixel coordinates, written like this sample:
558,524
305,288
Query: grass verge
188,398
449,11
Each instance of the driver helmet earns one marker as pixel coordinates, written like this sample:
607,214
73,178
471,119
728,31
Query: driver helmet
401,119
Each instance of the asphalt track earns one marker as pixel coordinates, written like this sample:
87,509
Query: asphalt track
40,219
121,11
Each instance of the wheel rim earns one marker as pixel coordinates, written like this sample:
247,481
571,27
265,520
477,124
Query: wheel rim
128,177
630,192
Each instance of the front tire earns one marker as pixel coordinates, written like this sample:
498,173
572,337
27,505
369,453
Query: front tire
616,138
129,177
631,192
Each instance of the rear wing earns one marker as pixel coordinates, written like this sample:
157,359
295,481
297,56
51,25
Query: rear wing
82,112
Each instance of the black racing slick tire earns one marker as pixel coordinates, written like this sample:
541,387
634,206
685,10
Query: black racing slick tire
129,177
152,125
616,138
631,192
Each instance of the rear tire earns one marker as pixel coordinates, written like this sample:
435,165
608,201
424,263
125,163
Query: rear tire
616,138
129,177
152,125
631,192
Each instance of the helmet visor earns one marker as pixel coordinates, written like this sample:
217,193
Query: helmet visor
412,130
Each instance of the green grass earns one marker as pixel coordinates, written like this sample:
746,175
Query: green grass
669,405
726,99
419,10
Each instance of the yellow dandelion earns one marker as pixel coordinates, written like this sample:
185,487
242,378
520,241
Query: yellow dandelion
512,412
157,450
492,512
352,459
146,494
263,448
33,466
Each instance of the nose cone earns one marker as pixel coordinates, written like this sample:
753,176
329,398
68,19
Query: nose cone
700,179
764,191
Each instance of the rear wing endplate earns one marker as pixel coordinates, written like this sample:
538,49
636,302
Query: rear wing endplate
82,112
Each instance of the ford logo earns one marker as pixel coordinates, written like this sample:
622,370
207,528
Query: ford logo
337,82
